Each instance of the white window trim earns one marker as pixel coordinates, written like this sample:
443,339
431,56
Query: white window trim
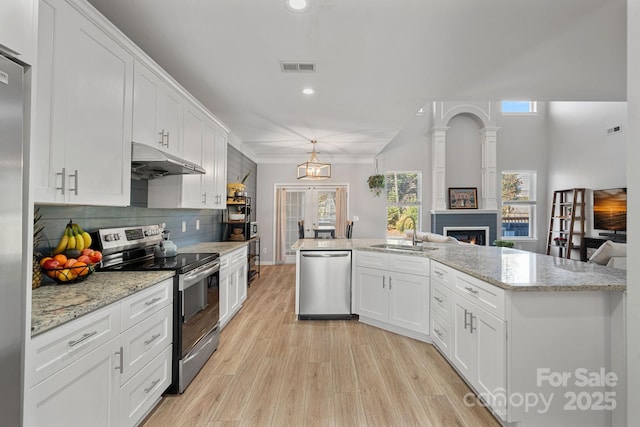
533,106
532,202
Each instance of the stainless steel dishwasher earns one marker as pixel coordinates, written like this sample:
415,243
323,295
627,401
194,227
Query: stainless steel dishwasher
325,285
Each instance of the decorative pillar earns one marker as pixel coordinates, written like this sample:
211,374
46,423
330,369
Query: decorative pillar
438,169
489,170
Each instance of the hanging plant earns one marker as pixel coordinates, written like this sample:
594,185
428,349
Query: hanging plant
376,182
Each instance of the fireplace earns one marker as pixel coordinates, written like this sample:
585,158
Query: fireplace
473,235
470,220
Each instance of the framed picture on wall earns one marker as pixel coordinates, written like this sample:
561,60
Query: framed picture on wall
463,198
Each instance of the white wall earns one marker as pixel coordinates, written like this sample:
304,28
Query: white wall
581,154
633,218
463,153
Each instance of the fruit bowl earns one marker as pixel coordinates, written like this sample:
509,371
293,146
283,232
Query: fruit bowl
69,275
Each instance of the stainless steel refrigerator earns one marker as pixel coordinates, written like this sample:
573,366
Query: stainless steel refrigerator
12,246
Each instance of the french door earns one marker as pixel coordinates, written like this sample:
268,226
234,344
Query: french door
316,206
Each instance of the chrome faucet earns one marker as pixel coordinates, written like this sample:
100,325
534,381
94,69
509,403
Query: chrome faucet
414,238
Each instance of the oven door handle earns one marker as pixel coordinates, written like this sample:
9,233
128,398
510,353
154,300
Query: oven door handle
192,278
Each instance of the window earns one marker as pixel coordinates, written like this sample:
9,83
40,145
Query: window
518,204
404,200
519,107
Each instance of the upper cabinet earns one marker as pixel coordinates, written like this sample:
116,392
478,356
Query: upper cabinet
17,29
157,112
82,143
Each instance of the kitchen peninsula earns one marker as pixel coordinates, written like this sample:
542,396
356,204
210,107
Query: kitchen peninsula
507,320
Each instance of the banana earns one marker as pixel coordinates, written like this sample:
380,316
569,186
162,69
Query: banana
62,244
86,237
78,235
72,239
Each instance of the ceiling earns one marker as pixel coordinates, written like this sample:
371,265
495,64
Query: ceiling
378,61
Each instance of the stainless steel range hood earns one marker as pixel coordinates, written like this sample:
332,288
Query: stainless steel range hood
149,163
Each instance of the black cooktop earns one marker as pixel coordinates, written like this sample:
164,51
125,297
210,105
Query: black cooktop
182,263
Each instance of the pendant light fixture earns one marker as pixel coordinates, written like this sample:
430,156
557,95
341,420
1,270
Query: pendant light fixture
313,169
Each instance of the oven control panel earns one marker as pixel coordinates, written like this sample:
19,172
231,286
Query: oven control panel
122,238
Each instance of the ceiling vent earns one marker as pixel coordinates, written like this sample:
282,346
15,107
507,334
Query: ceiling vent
298,67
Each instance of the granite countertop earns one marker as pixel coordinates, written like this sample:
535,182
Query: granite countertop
219,247
53,305
510,269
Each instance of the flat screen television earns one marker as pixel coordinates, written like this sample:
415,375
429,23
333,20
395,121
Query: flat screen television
610,209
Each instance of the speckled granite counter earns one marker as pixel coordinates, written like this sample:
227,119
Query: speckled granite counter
506,268
219,247
53,305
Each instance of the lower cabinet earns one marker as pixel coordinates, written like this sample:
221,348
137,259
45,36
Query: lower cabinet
75,378
392,289
233,283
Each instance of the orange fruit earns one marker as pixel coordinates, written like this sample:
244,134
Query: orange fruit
61,258
70,262
45,259
80,268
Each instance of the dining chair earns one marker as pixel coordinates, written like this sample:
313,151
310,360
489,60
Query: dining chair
300,229
349,229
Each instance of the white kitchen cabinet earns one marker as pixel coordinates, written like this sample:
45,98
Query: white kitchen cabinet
82,141
392,291
233,283
205,143
16,29
85,393
108,367
157,111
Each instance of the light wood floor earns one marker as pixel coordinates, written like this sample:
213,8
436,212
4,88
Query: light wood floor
271,370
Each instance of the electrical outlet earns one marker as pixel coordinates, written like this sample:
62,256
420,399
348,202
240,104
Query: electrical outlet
184,226
197,224
356,218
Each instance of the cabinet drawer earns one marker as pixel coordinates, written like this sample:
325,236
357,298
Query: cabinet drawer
145,340
65,344
440,272
441,301
139,395
238,257
409,264
441,334
486,296
140,305
372,260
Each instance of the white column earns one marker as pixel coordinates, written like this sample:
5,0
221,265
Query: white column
438,168
489,170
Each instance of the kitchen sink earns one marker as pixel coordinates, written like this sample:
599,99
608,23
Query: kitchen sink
404,248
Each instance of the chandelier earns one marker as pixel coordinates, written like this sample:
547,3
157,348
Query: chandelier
313,169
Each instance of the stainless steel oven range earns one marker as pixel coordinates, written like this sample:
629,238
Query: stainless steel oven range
195,298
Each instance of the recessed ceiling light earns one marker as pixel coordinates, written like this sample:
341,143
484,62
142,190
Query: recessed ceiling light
297,5
308,91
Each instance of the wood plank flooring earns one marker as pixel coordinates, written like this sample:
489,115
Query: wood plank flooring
271,370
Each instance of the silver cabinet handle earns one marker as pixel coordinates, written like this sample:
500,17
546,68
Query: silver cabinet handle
121,367
384,282
63,174
440,300
153,301
473,291
437,332
465,318
152,339
204,198
438,273
75,178
161,134
471,327
167,139
389,282
153,384
84,337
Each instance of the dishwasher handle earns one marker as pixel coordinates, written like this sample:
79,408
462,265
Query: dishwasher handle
325,255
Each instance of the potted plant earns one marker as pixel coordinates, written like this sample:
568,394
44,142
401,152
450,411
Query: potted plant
376,184
504,243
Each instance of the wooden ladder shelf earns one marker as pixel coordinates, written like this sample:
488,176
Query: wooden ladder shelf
566,225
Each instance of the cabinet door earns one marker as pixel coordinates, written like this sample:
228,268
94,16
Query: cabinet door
89,138
170,120
490,359
224,298
16,27
462,351
209,196
373,294
146,100
85,393
192,195
220,169
409,301
234,291
243,282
